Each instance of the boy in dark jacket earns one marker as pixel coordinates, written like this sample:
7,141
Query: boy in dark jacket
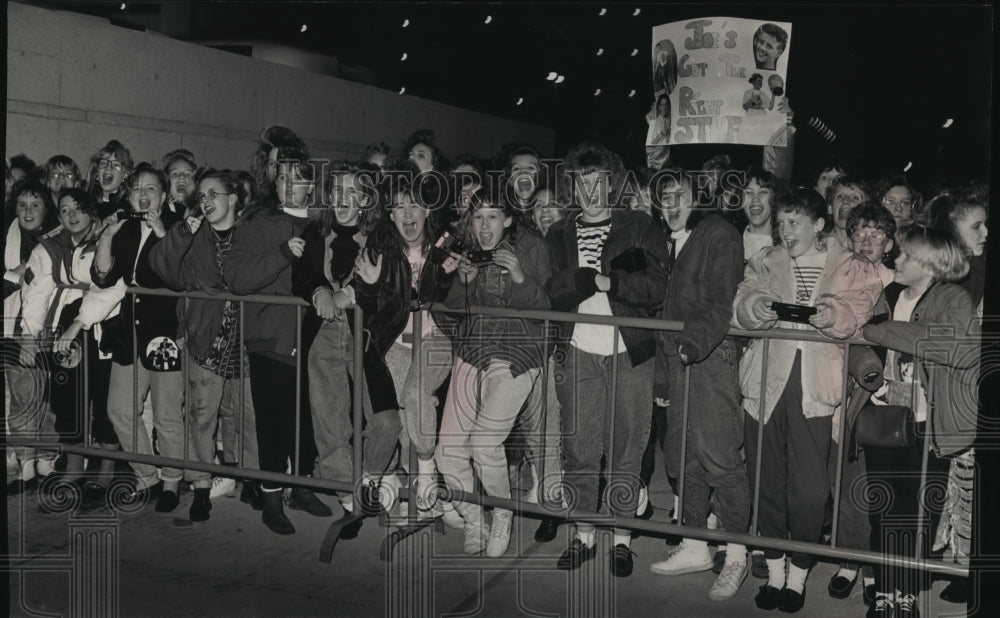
260,261
584,280
707,266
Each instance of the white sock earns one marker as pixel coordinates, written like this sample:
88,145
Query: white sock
847,573
347,503
643,500
696,544
776,573
623,539
425,467
796,578
736,554
587,537
267,491
677,514
868,581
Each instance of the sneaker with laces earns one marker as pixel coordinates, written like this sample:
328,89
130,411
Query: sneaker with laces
621,560
499,533
426,491
688,558
906,607
728,583
450,516
881,607
222,486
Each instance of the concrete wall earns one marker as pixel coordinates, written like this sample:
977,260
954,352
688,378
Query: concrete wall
75,81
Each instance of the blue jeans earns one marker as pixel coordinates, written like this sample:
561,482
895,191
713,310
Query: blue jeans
331,378
714,438
583,385
415,390
215,401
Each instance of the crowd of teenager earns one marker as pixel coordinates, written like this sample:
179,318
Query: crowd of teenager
583,405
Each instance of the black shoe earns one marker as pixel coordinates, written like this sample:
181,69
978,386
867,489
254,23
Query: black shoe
20,487
252,494
718,561
548,529
303,499
351,530
201,506
137,496
621,560
767,597
880,608
790,601
840,587
167,501
274,516
576,555
758,566
93,495
955,592
907,607
869,594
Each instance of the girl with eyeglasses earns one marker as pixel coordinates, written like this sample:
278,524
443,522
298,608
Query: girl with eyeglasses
107,172
190,258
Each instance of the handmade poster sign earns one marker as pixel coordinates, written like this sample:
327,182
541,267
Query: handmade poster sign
719,80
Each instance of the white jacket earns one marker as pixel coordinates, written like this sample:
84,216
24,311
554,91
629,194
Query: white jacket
56,261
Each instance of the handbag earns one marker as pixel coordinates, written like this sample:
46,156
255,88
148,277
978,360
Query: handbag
885,427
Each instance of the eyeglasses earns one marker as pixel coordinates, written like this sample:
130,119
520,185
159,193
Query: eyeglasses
877,237
62,175
201,198
897,205
115,165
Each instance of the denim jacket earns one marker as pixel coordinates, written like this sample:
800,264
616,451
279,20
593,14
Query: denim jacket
518,341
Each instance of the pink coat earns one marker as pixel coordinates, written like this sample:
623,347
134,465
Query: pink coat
848,283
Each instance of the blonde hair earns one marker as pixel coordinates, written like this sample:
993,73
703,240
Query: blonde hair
936,250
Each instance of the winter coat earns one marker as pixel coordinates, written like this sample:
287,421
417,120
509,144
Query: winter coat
938,336
186,262
482,338
153,317
635,295
260,262
849,283
55,264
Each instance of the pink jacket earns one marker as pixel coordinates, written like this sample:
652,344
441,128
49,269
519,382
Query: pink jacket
849,283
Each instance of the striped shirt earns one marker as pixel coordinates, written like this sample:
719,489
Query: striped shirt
594,338
806,271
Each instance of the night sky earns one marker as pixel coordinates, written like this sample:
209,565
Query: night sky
884,78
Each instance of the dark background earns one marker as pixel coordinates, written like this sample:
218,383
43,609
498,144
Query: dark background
883,78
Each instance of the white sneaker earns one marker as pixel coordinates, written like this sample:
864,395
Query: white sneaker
499,533
728,583
27,470
450,516
222,486
45,467
425,489
687,559
389,491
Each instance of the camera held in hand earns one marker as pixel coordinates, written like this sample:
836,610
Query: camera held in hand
447,244
481,258
135,216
